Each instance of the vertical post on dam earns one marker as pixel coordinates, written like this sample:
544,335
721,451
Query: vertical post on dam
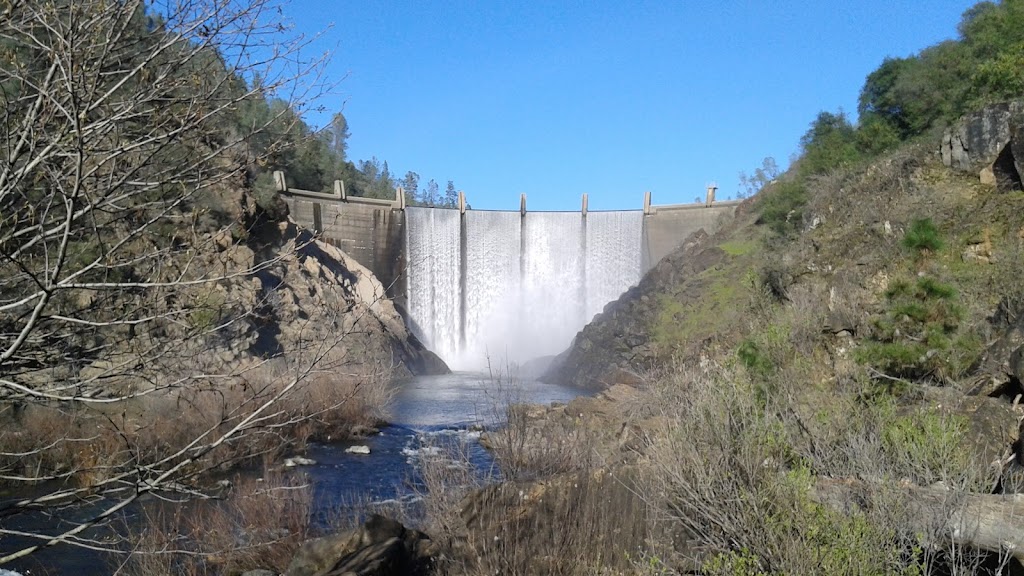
463,269
522,241
582,294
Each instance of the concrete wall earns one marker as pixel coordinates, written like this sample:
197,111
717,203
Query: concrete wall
373,235
665,227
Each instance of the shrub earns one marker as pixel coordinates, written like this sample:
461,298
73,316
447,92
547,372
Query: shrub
928,445
829,144
753,358
919,333
782,207
667,331
261,523
922,237
746,482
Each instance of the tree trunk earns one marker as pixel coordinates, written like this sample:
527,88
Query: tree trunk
992,522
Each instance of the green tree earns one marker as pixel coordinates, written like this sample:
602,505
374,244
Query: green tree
879,98
337,134
430,195
829,144
1000,78
376,179
411,186
763,175
451,196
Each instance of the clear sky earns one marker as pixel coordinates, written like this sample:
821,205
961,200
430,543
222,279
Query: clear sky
611,98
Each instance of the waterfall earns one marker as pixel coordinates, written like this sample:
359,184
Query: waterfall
502,287
432,252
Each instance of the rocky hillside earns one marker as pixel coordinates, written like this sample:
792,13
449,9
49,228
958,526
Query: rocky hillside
830,388
840,268
305,290
262,290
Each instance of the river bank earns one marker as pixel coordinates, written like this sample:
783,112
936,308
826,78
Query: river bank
424,412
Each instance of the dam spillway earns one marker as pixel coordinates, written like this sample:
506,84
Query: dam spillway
506,287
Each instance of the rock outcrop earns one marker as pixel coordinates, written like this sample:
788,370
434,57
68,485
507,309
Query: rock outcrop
989,142
380,547
322,294
280,293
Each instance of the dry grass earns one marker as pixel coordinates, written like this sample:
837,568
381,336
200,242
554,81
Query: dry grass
530,443
738,472
85,445
260,524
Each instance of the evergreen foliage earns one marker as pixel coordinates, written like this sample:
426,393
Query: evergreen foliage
906,97
923,236
944,81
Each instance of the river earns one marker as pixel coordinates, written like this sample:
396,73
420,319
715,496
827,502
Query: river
425,410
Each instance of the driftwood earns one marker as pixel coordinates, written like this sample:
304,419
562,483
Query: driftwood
991,522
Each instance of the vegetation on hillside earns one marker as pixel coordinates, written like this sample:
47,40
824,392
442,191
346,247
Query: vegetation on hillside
905,99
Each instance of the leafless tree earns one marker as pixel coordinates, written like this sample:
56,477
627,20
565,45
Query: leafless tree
121,145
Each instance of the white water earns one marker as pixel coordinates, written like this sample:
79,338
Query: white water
432,251
531,283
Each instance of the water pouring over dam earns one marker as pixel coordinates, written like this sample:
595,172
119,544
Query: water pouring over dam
510,287
478,286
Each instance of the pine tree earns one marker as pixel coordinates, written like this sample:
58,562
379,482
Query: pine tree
451,196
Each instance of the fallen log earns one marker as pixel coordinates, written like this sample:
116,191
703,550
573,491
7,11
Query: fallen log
991,522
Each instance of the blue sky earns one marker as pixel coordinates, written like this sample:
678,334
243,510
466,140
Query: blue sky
554,99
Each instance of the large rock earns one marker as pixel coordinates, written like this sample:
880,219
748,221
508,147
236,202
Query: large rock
992,428
1002,364
381,547
989,142
324,295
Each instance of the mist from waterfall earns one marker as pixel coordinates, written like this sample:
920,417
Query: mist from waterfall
504,288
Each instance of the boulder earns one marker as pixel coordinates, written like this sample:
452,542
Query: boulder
1002,364
992,424
380,547
992,427
990,143
1017,147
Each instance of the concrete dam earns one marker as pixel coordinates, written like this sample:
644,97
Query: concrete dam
499,287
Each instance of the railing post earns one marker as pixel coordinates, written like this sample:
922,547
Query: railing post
339,190
462,202
279,182
584,208
647,203
399,198
522,204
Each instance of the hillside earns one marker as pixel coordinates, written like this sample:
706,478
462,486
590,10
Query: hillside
830,389
834,274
